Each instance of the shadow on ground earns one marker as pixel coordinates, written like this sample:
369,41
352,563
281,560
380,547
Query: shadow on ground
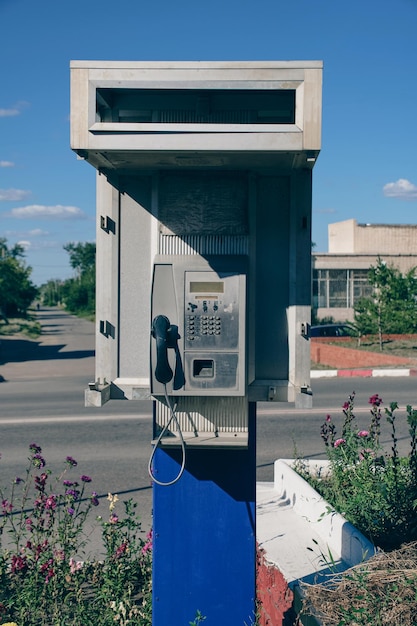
14,350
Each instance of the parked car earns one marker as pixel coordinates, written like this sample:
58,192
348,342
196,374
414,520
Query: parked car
333,330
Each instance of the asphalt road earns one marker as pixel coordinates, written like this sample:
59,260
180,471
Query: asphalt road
42,386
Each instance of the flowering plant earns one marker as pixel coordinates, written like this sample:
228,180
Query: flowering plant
376,490
45,575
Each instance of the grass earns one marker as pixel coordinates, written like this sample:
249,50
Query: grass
28,326
402,346
381,591
396,346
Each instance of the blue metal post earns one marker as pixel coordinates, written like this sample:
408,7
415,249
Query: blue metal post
204,536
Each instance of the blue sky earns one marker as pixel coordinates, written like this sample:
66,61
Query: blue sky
367,168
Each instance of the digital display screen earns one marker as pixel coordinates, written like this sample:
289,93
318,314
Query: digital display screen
207,287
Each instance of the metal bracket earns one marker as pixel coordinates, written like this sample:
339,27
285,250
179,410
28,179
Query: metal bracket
107,224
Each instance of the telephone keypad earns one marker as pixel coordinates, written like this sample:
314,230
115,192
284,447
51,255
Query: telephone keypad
199,326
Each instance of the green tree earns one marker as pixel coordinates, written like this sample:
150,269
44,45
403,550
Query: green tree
79,293
17,291
51,292
82,256
392,308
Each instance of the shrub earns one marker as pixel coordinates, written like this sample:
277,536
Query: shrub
375,490
44,578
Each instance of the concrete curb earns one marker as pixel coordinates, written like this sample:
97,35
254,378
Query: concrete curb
300,539
364,373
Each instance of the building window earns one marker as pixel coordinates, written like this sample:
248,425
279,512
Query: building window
339,288
196,106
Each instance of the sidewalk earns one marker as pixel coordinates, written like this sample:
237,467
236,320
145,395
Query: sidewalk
363,373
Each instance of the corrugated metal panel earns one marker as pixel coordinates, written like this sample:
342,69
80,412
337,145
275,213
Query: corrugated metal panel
215,117
204,245
206,415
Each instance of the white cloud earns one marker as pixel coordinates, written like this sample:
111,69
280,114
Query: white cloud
402,189
57,212
25,244
35,232
45,244
7,195
6,164
9,112
14,110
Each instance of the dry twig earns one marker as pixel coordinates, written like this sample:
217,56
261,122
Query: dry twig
381,591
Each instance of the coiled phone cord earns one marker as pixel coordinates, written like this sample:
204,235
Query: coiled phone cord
173,418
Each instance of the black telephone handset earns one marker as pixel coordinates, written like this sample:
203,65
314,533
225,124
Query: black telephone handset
160,327
166,336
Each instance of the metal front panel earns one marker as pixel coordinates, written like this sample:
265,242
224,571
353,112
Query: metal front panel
214,370
211,311
211,331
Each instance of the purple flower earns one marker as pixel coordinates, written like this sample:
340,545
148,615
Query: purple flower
38,460
94,499
18,480
339,442
40,481
70,510
85,479
33,447
72,493
72,462
68,483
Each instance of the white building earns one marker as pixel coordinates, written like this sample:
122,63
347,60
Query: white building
340,276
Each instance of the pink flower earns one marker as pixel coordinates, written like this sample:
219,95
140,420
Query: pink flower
147,547
51,502
120,550
366,454
375,400
339,442
6,506
363,433
75,565
19,563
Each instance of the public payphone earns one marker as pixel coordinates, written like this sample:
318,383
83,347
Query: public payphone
198,314
198,350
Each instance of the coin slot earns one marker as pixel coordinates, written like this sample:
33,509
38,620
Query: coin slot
203,368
